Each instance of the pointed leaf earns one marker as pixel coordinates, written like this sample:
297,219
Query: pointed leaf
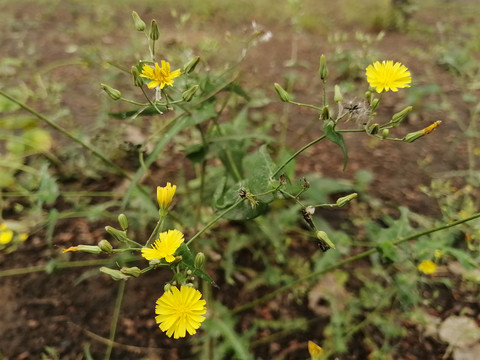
336,138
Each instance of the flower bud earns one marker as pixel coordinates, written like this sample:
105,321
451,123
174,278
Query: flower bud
113,93
154,34
200,261
373,129
338,97
131,271
325,242
92,249
400,116
346,199
137,80
368,95
138,22
123,221
105,246
385,133
411,137
167,287
191,65
117,234
282,94
114,274
374,104
188,94
325,115
164,197
323,71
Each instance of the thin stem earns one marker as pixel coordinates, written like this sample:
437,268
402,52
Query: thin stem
305,105
347,261
155,231
297,153
116,315
213,221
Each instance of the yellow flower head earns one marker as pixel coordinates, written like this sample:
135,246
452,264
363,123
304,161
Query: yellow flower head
165,246
387,76
427,267
314,350
6,235
180,311
165,195
160,76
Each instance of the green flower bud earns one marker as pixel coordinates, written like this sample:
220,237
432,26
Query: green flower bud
373,129
154,34
374,104
325,113
113,93
323,71
200,261
385,133
368,95
167,287
411,137
137,80
138,22
131,271
191,65
117,234
188,94
346,199
123,221
105,246
282,94
400,116
338,97
114,274
89,249
326,243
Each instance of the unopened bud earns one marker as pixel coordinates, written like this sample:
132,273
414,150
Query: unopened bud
113,93
325,113
154,34
325,242
373,129
346,199
188,94
323,70
123,221
167,287
191,65
418,134
137,80
282,94
338,97
374,104
105,246
385,133
114,274
117,234
131,271
138,22
200,261
400,116
92,249
368,95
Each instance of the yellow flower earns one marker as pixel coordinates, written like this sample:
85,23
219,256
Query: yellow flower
387,76
160,76
314,350
427,267
180,311
6,235
165,246
165,195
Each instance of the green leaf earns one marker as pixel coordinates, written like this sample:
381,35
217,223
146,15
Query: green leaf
336,138
188,263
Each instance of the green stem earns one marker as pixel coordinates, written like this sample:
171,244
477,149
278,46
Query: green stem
213,221
347,261
297,153
305,105
116,315
155,231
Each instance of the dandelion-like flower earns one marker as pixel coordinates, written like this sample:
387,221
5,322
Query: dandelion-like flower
427,267
6,234
387,76
165,195
314,350
160,76
180,311
165,246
